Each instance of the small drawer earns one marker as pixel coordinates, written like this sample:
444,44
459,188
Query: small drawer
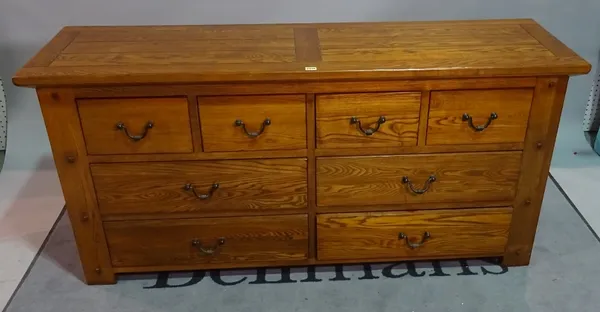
413,235
249,123
478,116
210,240
368,119
480,177
136,125
227,186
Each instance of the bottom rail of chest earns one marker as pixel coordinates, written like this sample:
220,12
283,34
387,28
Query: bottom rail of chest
268,241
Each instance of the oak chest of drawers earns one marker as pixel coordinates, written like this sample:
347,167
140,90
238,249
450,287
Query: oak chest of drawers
193,147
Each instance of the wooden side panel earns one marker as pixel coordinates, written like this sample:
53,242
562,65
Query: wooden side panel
287,128
243,185
220,240
539,145
447,126
399,128
378,180
456,233
68,148
170,131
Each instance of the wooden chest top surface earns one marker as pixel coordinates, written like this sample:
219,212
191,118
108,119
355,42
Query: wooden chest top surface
108,55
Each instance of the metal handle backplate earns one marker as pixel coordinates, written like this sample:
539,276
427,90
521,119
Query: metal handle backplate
424,238
430,180
263,126
121,126
369,131
190,187
469,119
208,250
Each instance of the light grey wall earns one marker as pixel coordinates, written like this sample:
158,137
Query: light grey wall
25,25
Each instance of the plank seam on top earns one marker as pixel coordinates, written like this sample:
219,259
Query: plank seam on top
307,45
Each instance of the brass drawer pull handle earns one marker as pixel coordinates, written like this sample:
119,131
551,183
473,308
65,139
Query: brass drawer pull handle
149,125
369,131
412,245
213,188
467,117
425,188
208,250
265,123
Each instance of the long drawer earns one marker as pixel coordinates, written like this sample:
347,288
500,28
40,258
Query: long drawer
414,235
200,186
453,177
208,240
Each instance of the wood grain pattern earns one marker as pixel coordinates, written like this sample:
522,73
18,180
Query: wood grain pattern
419,149
166,46
423,117
173,58
539,145
307,45
351,54
400,109
378,180
62,124
211,214
348,51
132,188
171,132
548,40
473,232
247,239
53,48
198,156
195,123
174,33
287,129
415,206
261,88
446,126
304,153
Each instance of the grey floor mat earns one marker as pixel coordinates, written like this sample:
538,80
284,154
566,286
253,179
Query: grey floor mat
563,276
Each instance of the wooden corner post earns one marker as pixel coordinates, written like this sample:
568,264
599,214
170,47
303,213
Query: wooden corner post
539,144
59,109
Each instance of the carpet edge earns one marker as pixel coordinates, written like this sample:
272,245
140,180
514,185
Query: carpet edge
35,258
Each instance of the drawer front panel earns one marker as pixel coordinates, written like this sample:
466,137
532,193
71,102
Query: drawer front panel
368,120
408,179
413,235
248,123
210,240
187,187
136,126
478,116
